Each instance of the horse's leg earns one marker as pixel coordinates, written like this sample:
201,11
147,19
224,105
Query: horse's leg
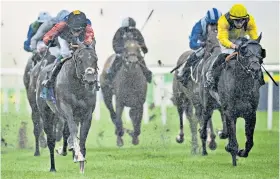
118,123
136,115
84,129
250,123
108,96
36,131
223,134
193,126
67,112
206,115
180,110
212,144
232,146
49,128
65,135
42,138
59,129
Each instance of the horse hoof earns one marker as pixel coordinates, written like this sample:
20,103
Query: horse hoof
52,170
213,145
204,153
242,153
119,142
82,167
36,154
179,139
222,135
135,141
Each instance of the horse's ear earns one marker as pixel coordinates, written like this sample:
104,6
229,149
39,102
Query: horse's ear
263,53
259,38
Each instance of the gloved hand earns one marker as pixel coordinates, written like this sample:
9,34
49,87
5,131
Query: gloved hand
145,50
234,46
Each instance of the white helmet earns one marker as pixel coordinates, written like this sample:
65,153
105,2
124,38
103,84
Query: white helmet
43,17
62,14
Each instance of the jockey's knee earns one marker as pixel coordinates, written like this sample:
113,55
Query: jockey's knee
65,52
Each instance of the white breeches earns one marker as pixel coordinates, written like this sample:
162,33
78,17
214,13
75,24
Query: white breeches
64,48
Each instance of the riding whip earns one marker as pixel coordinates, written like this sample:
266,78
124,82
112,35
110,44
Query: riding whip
148,18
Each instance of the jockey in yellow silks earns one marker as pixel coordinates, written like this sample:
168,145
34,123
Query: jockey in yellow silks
232,25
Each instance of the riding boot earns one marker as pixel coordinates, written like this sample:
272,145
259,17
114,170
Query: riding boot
214,72
148,74
50,82
114,68
183,77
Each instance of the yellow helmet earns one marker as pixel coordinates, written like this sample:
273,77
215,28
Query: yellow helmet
238,11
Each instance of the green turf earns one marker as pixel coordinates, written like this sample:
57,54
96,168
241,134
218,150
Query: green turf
157,156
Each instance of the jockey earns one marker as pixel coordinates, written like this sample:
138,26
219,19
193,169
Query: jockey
44,28
43,17
128,26
234,24
197,41
74,28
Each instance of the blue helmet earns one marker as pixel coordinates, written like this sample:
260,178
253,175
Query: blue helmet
61,15
212,16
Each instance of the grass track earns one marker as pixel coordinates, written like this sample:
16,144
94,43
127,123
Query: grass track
157,156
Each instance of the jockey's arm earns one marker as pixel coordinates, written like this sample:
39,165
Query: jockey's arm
118,42
89,35
252,28
140,40
50,35
223,34
43,29
196,32
29,36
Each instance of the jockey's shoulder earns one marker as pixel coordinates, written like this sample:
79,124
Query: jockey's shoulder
251,19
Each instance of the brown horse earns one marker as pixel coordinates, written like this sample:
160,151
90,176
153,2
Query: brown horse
188,97
130,88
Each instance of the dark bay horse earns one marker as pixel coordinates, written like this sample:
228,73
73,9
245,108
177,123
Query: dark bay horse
129,87
30,76
75,93
191,92
237,93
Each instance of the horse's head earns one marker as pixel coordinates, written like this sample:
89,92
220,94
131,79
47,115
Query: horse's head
212,42
131,54
85,60
250,56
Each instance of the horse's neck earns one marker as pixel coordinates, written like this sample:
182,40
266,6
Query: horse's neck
243,81
68,70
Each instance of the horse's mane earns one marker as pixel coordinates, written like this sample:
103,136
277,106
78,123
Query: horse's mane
241,40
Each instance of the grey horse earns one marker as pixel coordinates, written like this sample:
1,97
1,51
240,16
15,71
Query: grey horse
191,92
238,94
129,87
29,78
75,93
184,105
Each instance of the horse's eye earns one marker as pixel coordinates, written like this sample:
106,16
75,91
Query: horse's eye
243,50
